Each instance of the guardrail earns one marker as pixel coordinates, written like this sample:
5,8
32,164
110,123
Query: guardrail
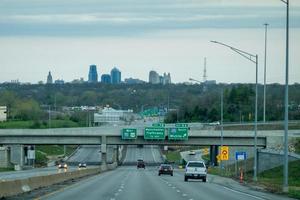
15,187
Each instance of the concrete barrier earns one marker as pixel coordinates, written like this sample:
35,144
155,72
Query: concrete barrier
15,187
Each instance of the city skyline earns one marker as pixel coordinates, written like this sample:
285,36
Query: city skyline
36,38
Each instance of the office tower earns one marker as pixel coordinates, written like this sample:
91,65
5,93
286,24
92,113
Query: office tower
154,77
105,78
93,75
115,76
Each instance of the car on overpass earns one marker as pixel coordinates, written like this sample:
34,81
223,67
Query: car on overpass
140,164
165,169
195,170
82,166
62,166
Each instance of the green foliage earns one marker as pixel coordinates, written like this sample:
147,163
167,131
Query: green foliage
173,156
40,158
297,146
189,103
50,149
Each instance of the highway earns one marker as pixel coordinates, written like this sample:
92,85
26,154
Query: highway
90,154
149,153
13,175
127,182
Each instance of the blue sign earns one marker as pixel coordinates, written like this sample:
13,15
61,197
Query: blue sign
240,155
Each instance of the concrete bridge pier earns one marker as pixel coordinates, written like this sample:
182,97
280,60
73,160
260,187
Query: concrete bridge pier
214,151
17,156
103,153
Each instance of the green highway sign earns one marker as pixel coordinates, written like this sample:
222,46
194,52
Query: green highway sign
178,133
154,133
182,125
129,134
158,125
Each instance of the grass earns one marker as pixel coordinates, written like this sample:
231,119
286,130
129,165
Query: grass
43,151
297,146
173,156
273,179
292,126
270,179
6,169
38,124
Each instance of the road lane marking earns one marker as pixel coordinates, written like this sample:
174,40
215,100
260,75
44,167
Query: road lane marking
255,197
178,191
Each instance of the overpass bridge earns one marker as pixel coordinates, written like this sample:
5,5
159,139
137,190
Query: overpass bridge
112,136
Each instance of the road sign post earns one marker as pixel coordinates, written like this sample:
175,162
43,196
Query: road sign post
178,133
129,134
181,125
154,133
224,153
240,155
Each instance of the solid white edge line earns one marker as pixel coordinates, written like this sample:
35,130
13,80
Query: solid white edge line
244,193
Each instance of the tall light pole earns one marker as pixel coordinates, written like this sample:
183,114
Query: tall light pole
265,70
253,58
285,187
221,163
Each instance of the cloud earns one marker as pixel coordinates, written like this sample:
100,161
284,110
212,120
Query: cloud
135,16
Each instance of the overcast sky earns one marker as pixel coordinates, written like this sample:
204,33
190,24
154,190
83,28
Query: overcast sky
137,36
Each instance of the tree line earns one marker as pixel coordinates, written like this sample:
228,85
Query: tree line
186,103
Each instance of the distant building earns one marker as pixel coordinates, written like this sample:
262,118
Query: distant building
154,77
93,75
58,81
110,115
49,78
106,78
3,113
167,78
115,76
78,81
133,81
210,82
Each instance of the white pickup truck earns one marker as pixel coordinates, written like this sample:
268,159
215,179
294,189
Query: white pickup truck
195,170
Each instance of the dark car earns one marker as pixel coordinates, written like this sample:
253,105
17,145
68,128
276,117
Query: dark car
140,164
165,169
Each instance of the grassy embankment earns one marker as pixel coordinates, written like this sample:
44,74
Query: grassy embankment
37,124
271,179
54,152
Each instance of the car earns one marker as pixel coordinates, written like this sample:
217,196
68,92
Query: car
62,166
165,169
140,164
191,152
82,165
195,170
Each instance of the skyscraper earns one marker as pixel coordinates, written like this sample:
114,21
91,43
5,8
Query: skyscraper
115,76
105,78
93,75
154,77
49,78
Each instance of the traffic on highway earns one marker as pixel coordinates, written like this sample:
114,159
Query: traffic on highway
154,182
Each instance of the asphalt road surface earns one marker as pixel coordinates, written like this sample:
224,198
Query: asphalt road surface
127,182
148,153
90,154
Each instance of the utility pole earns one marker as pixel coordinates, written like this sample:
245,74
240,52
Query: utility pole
265,70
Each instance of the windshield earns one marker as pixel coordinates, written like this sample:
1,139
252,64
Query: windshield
196,164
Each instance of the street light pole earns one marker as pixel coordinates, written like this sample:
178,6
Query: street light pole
253,58
285,187
265,70
221,163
